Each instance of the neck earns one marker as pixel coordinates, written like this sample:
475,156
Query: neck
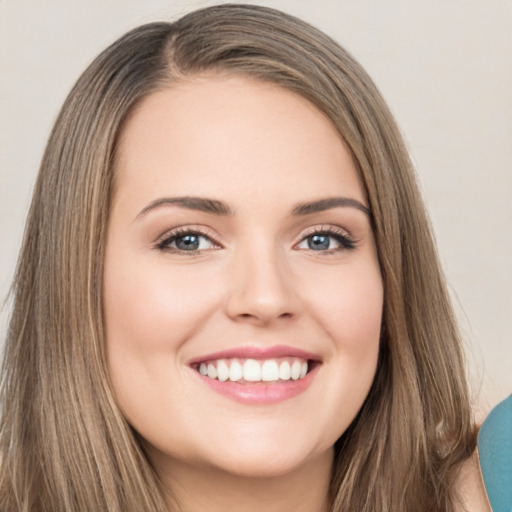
305,489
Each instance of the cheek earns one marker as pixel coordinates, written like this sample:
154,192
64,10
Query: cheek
348,304
359,319
153,307
151,311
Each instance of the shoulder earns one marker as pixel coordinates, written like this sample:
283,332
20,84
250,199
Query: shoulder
486,478
495,448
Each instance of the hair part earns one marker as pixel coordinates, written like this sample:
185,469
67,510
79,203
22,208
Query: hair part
64,444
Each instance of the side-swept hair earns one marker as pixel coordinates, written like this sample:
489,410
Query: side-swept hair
64,444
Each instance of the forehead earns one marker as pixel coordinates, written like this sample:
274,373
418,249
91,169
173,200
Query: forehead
233,135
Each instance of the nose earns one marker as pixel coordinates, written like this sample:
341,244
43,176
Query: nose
261,289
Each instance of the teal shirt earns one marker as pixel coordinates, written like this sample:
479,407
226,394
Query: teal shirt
495,452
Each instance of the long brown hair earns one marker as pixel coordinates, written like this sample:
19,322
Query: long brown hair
64,445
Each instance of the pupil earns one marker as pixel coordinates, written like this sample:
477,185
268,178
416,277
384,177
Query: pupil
319,242
187,242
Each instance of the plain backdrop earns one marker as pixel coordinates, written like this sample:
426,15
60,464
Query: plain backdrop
445,67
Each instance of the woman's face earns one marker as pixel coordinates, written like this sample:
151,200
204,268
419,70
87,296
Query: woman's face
239,257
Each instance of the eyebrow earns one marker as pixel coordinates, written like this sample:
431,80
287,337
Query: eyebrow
328,203
217,207
191,203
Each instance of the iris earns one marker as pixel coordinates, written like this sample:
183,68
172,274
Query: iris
319,242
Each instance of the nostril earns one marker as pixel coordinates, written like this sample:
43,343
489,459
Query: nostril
250,316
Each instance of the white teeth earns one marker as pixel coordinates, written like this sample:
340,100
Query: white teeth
235,371
295,370
285,372
252,370
269,371
222,371
212,371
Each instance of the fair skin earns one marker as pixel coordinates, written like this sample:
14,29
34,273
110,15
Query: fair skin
470,486
281,269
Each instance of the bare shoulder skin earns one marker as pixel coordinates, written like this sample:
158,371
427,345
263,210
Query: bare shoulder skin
471,487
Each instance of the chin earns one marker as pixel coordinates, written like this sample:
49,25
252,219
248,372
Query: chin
265,453
259,464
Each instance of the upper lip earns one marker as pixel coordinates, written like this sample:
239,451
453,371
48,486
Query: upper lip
252,352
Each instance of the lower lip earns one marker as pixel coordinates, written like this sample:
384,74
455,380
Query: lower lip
261,392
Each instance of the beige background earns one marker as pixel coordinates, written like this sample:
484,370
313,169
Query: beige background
445,67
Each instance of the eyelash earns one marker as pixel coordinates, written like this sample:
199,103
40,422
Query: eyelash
164,243
340,236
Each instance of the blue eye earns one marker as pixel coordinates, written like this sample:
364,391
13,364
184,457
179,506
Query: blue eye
319,242
326,241
186,241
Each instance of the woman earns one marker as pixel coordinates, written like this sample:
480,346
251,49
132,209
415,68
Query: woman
228,294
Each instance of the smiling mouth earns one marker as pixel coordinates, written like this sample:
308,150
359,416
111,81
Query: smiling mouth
253,371
257,376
